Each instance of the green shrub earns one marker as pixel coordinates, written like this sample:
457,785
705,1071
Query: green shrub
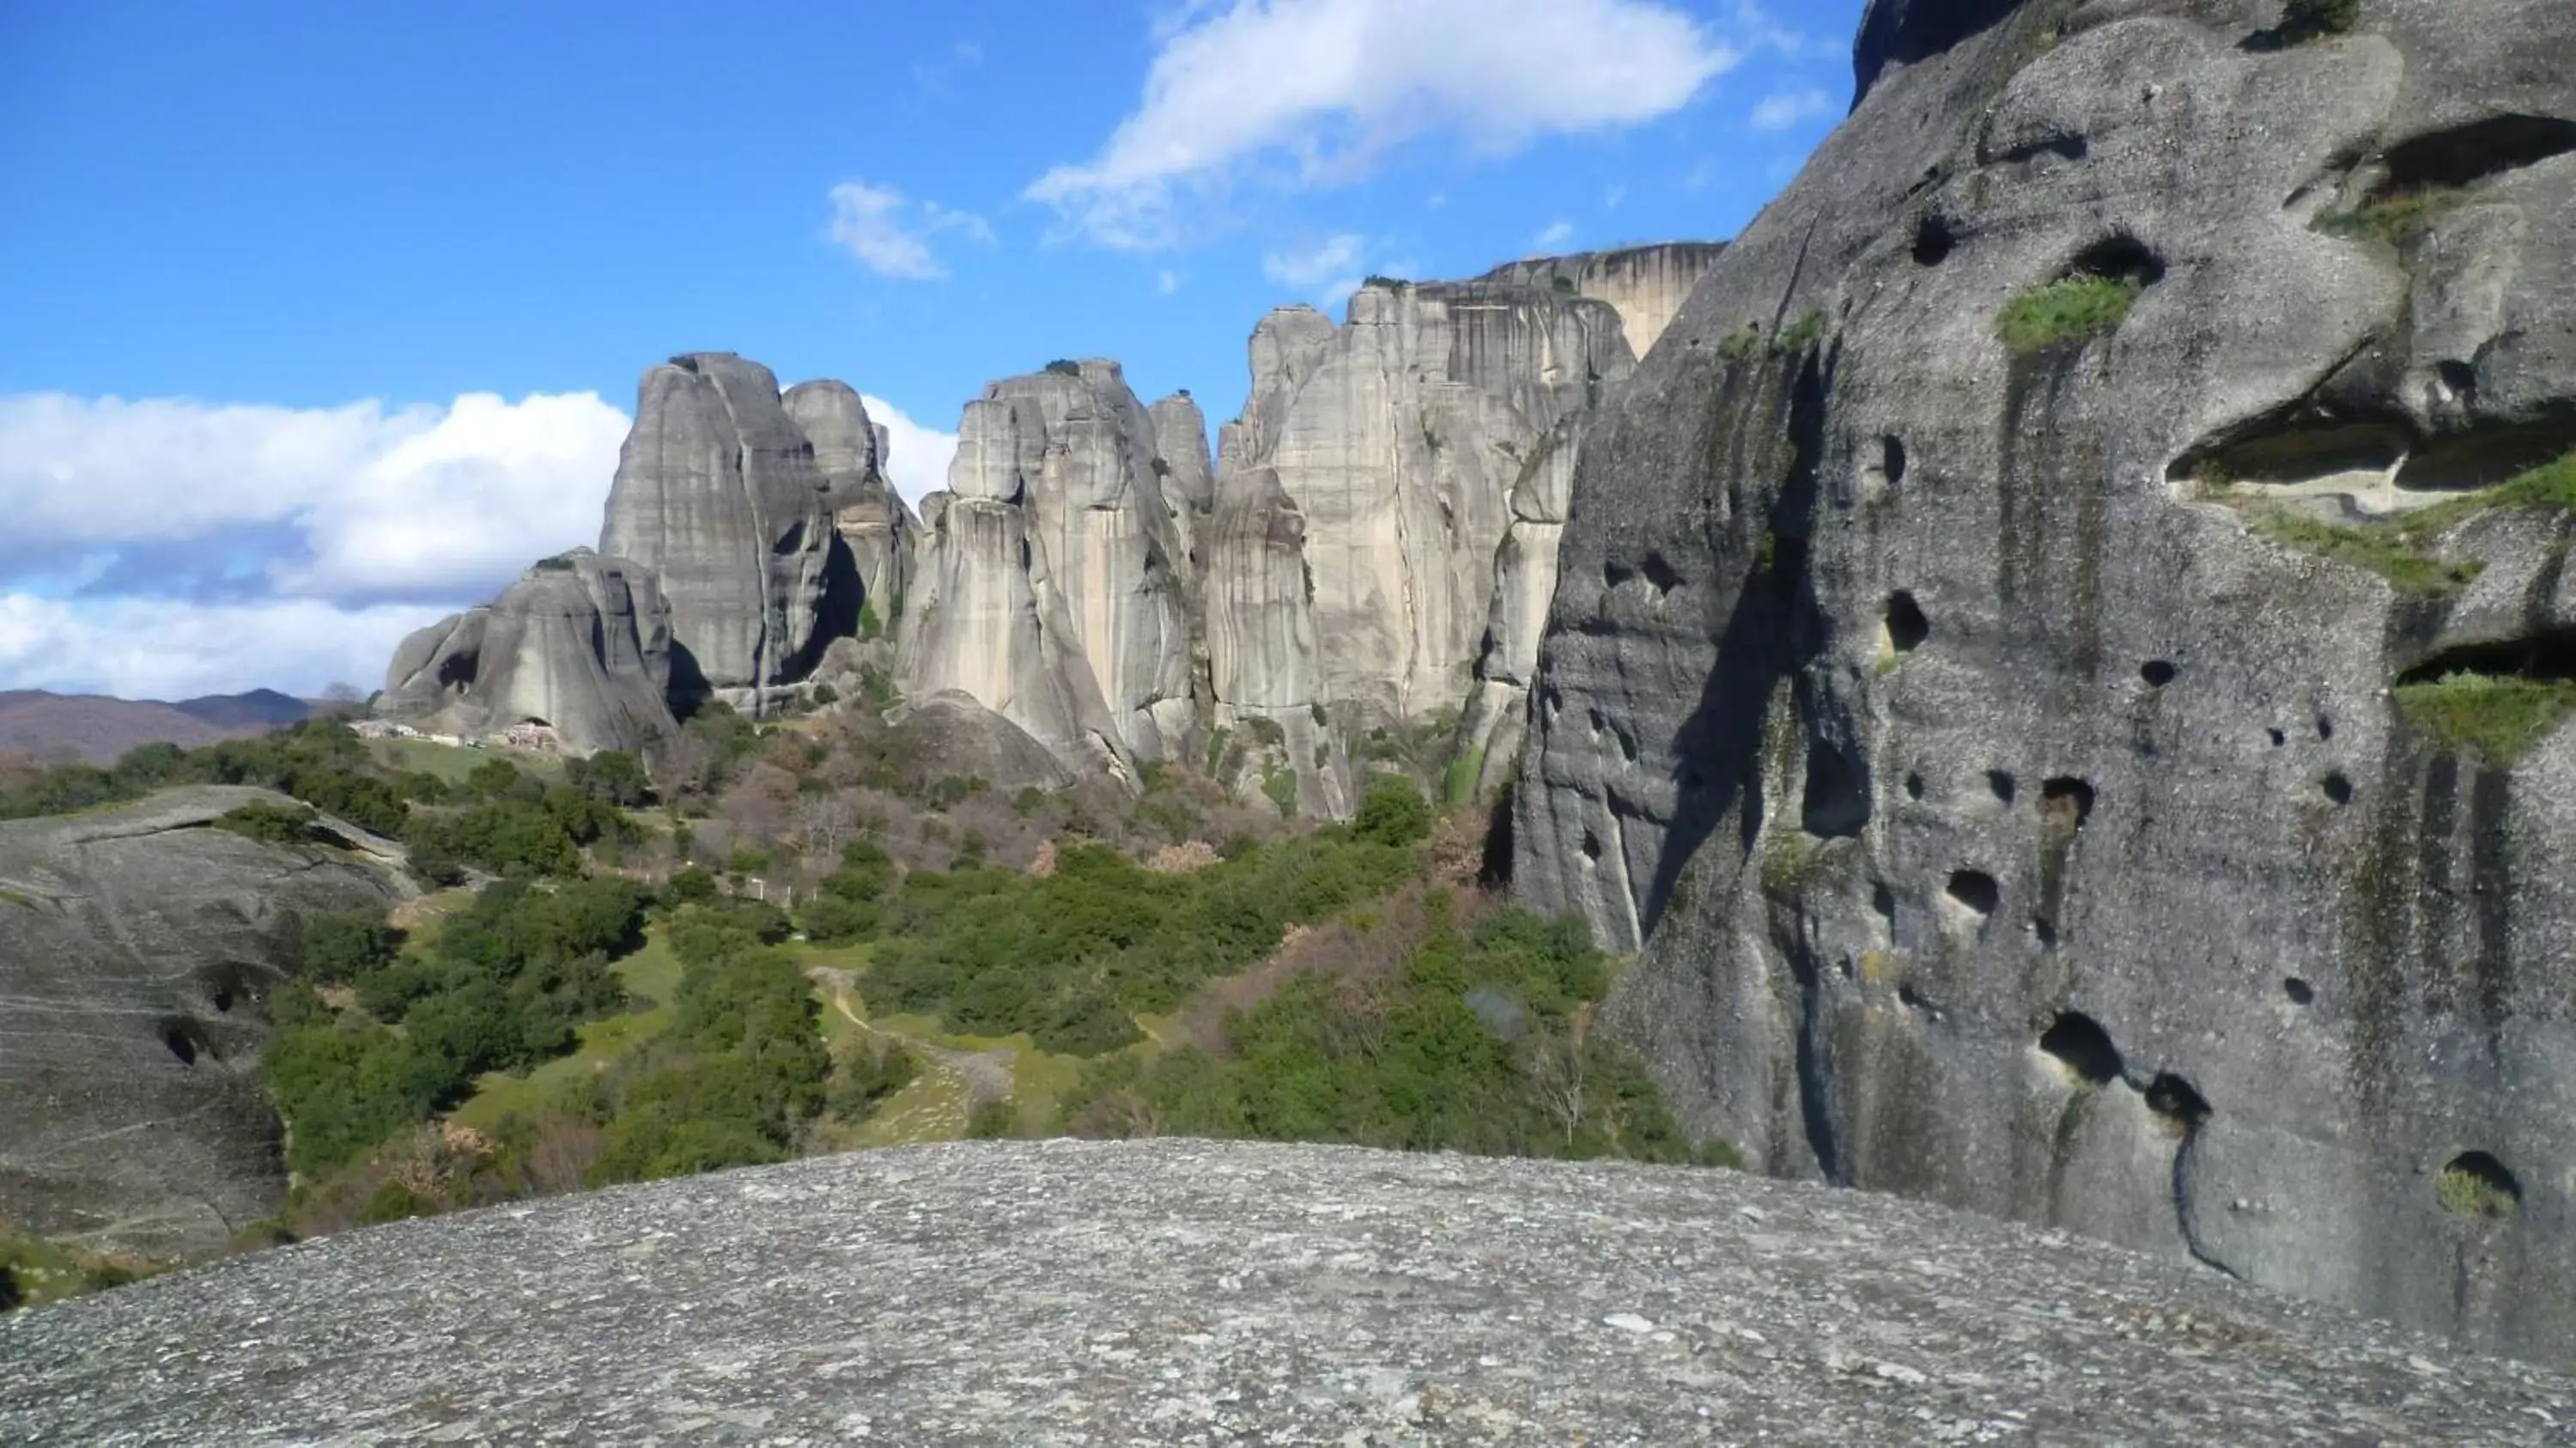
337,947
2075,309
868,1078
1279,783
1393,812
1799,335
2396,217
269,824
992,1121
2501,719
1065,367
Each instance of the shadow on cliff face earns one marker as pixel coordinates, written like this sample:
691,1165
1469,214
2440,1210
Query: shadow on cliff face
1772,632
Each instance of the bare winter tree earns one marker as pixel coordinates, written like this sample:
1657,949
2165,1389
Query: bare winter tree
1558,1068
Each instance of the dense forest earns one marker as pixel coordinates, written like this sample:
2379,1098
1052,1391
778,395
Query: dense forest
786,940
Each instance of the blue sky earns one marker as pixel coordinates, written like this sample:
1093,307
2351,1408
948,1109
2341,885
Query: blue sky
323,319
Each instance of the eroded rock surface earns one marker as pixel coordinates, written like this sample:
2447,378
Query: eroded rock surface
138,946
873,521
1199,1293
2003,818
1647,285
580,643
718,493
1055,576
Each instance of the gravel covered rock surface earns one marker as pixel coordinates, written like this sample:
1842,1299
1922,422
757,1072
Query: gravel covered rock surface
1187,1292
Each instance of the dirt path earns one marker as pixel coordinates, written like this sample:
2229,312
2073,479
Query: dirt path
987,1075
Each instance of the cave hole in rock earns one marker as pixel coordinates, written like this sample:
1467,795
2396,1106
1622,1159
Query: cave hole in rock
2325,727
1907,628
1614,572
2083,1047
1598,723
2462,155
2044,930
2475,1184
2158,672
2175,1098
2278,737
1914,787
2298,992
1976,890
1882,900
1661,573
2547,656
179,1038
2122,258
2002,784
2064,146
1591,846
1891,459
1907,995
2067,798
2337,787
1627,744
1835,802
2482,456
1934,239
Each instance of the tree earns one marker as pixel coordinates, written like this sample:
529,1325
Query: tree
613,777
1393,813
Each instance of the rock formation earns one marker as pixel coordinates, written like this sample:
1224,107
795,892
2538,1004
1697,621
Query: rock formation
1267,661
1226,1292
2023,795
950,735
580,643
1054,578
1647,285
718,493
1398,442
873,520
137,947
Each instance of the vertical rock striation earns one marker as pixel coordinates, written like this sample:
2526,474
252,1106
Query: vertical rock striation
581,644
717,492
1646,285
1398,437
2010,781
1267,671
870,517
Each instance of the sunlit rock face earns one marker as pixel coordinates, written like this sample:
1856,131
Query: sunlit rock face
580,645
1399,437
1055,579
1646,285
874,523
2017,797
718,493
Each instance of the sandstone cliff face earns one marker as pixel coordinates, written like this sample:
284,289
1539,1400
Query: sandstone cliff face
1267,661
873,521
2005,818
581,643
137,950
1398,437
1646,285
1054,576
718,493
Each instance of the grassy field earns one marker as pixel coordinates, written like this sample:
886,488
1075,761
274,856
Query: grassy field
452,763
651,974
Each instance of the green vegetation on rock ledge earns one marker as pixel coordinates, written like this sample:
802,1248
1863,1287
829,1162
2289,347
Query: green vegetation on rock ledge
2499,718
2401,547
2065,311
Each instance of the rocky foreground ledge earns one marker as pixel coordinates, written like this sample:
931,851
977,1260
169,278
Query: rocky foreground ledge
1189,1292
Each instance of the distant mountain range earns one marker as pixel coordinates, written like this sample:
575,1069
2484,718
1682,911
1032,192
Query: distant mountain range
59,728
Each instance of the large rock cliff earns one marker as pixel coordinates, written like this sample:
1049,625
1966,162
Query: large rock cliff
873,521
580,644
1646,285
718,493
137,949
1968,681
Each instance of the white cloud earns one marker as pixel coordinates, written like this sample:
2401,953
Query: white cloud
416,501
1328,262
1168,282
144,648
1331,84
1783,109
916,456
891,235
1557,234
